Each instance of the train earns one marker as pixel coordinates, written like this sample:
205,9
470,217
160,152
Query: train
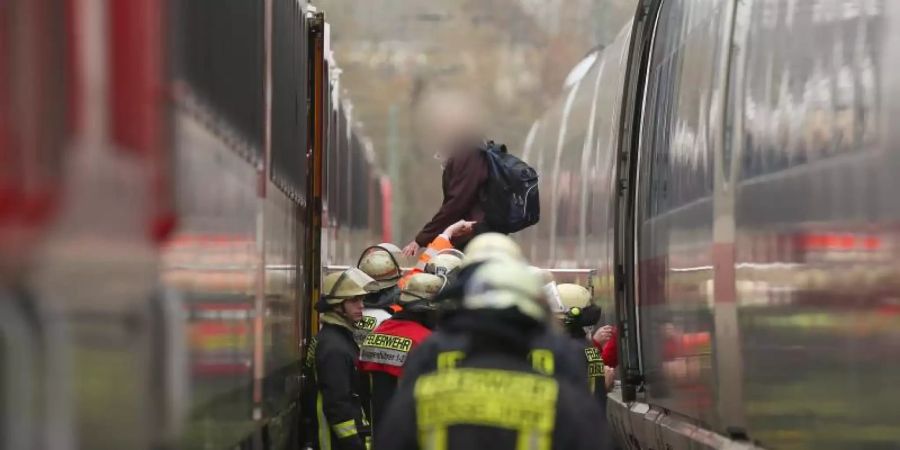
726,171
174,175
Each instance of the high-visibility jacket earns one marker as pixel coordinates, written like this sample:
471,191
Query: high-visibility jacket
491,400
442,242
382,357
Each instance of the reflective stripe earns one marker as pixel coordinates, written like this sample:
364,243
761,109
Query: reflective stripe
449,360
434,438
530,439
324,434
522,402
345,429
542,361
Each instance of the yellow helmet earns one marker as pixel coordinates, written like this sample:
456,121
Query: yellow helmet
491,245
573,296
503,284
340,286
421,286
443,264
380,263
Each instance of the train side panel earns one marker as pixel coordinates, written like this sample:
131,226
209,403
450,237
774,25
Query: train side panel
816,222
765,229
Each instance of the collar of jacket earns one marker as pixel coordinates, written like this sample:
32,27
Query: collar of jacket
334,318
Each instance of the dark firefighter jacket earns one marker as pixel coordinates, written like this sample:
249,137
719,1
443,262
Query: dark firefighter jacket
551,354
490,400
340,396
463,178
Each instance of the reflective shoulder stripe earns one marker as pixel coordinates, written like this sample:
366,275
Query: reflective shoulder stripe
449,360
345,429
542,361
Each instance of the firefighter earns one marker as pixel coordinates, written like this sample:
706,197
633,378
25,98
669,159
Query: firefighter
440,245
551,352
578,317
342,423
384,352
379,262
493,398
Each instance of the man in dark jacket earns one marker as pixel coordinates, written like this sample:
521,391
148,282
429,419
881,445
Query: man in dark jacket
493,398
465,173
342,423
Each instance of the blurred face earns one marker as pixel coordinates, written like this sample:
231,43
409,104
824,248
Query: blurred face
443,117
352,309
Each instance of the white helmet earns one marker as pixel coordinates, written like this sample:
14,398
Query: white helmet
380,263
443,264
491,245
573,296
421,286
503,284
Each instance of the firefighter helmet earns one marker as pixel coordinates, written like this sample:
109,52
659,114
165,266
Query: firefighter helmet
419,290
380,263
489,246
443,264
505,284
573,296
350,283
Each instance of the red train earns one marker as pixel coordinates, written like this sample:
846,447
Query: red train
173,175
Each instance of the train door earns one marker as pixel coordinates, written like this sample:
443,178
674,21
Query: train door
318,128
680,358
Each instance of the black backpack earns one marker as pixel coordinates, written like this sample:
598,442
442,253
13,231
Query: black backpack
510,198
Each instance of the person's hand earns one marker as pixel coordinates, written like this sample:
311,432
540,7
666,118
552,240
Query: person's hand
411,249
603,335
461,228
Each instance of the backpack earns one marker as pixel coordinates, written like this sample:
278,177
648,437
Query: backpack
510,197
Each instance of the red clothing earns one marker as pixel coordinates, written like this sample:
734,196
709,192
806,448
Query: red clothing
388,346
610,350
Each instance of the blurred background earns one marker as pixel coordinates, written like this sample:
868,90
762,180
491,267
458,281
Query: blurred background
509,58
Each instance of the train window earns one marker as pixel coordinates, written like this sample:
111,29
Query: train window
361,182
224,37
811,95
289,98
676,130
